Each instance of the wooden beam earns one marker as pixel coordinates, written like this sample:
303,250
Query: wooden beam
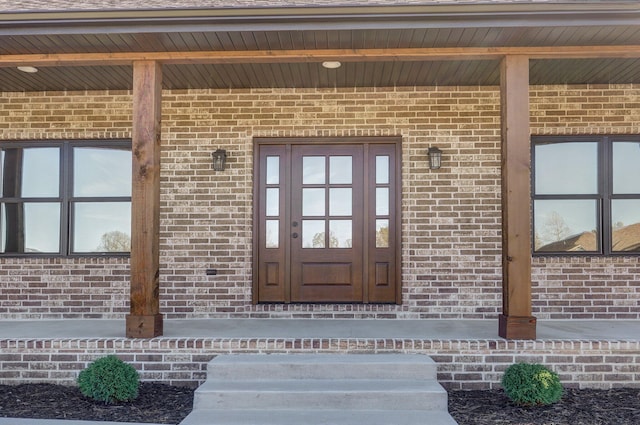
145,320
516,321
319,55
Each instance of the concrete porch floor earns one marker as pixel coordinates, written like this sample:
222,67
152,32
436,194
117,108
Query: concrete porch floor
566,330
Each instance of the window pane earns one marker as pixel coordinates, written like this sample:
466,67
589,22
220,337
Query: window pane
340,201
382,201
625,217
626,167
313,170
565,225
566,168
30,228
273,202
313,234
30,172
102,227
41,173
340,234
382,233
101,172
313,202
273,170
273,234
382,169
340,170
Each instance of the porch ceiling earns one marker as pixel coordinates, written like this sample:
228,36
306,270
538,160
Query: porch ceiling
312,29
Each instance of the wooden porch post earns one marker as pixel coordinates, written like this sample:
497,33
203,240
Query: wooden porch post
145,320
516,321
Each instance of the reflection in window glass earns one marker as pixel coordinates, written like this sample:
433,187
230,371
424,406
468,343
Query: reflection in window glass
313,234
34,228
566,168
273,170
273,202
565,225
382,233
102,227
101,172
382,169
626,167
313,202
340,170
313,170
340,234
382,201
340,201
625,225
272,233
41,173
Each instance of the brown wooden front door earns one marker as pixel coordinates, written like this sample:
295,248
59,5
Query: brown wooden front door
325,224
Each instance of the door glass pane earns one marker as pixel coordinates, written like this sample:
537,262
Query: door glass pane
626,167
566,168
273,232
313,170
625,218
273,202
340,170
101,172
313,234
37,231
565,225
340,234
102,227
382,233
313,202
340,201
273,170
382,201
382,169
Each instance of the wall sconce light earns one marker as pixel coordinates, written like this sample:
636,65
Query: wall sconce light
435,158
219,159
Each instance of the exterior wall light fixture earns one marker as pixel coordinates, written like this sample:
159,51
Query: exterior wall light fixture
219,159
435,158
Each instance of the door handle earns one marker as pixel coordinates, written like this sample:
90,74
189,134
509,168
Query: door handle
294,235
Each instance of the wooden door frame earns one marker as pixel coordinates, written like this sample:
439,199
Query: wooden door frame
369,140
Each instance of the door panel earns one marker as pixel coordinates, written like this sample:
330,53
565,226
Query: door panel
325,222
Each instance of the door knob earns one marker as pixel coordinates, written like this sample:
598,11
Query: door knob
294,235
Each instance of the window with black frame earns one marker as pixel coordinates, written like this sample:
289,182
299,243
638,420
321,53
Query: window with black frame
586,195
65,198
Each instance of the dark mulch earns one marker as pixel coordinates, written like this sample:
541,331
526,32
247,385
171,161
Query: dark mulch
577,407
166,404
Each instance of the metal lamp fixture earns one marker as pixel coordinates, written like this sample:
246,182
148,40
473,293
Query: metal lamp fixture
219,159
435,158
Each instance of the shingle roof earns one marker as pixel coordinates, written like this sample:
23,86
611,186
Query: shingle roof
113,5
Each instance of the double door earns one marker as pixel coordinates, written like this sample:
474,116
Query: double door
326,221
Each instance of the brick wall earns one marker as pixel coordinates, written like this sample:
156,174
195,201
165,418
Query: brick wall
451,217
462,364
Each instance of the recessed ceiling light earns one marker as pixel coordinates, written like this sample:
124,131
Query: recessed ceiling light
331,64
28,69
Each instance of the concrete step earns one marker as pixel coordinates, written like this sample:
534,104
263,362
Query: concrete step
318,417
315,389
322,366
352,394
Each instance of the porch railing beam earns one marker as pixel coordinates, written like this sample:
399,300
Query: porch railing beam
145,320
343,55
516,321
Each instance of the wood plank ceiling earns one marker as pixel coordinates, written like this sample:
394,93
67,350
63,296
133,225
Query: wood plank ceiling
312,74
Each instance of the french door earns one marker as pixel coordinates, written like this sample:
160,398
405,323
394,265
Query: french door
326,220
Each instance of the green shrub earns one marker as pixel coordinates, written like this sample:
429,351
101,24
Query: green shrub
110,380
531,384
